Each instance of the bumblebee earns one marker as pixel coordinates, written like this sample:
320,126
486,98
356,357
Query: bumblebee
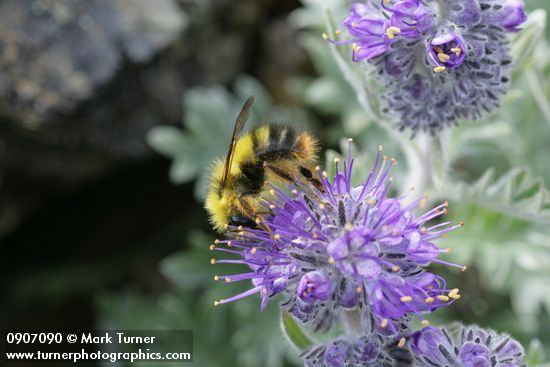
266,155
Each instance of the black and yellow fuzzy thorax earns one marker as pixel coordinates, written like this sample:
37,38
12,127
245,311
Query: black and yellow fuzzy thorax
268,154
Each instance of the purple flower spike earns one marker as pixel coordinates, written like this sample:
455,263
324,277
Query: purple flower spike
345,247
447,51
315,286
372,350
439,61
462,346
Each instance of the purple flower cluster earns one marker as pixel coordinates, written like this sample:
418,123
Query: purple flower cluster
469,346
363,351
369,346
439,61
344,247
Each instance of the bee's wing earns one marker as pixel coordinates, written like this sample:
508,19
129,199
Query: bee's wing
239,125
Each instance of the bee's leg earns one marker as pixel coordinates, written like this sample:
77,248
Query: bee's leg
299,183
281,173
249,211
309,177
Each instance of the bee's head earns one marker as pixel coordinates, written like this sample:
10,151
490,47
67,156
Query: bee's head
220,201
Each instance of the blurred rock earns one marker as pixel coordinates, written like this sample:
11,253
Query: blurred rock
54,54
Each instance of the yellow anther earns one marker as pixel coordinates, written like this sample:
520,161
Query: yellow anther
379,148
429,300
325,174
456,50
317,168
241,233
294,192
331,260
353,25
448,250
228,280
439,69
456,297
212,247
425,323
395,268
264,290
402,342
229,244
350,140
443,298
446,204
394,231
464,268
461,224
271,206
277,237
422,203
216,303
406,299
258,220
337,31
394,161
216,241
216,278
212,261
384,323
348,227
253,250
325,36
443,57
359,289
392,31
423,229
336,160
240,228
453,292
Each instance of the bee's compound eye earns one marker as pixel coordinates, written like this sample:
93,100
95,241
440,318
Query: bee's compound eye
242,221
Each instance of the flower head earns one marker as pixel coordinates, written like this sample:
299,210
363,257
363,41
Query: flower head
439,61
368,350
469,346
344,247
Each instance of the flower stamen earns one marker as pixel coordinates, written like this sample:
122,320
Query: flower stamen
392,31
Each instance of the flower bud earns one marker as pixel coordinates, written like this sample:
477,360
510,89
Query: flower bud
315,286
